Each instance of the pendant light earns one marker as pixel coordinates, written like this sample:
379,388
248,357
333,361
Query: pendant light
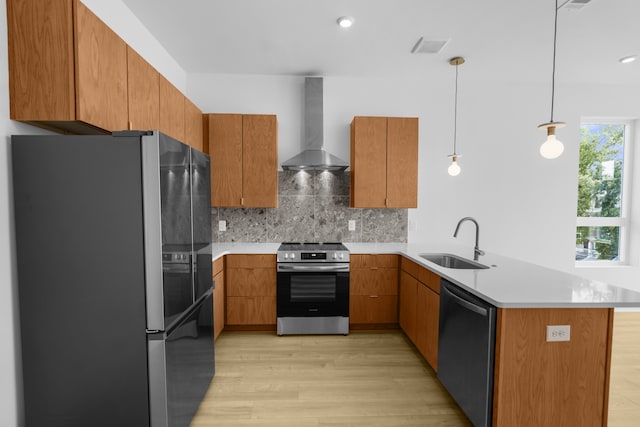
552,147
454,168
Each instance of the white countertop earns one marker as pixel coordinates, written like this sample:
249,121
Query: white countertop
508,283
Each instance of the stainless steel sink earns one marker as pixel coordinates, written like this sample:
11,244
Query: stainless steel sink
453,261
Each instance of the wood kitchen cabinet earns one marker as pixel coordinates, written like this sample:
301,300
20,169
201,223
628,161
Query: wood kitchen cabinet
244,160
428,315
218,297
420,308
67,68
143,93
552,383
384,162
373,291
408,304
171,110
193,125
250,290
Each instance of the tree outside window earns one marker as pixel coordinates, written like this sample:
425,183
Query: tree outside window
600,191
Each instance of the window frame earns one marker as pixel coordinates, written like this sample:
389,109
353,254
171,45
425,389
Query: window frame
622,222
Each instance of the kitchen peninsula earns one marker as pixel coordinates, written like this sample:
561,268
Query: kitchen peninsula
536,382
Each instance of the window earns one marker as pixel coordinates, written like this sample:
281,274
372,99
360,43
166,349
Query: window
602,192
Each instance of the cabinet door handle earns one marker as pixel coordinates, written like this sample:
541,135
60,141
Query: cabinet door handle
373,296
374,268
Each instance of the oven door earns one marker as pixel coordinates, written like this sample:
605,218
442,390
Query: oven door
313,290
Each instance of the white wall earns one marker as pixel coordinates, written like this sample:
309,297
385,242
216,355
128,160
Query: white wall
526,205
118,17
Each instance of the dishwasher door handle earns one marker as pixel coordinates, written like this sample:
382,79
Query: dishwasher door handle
466,304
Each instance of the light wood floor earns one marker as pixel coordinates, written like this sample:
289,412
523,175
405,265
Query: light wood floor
363,379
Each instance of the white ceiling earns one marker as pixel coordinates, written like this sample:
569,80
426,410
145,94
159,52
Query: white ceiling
501,39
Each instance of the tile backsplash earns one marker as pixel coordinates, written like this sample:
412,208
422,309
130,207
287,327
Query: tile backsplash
312,207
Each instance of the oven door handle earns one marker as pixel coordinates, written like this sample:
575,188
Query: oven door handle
314,268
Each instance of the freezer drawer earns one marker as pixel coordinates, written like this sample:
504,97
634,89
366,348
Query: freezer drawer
181,366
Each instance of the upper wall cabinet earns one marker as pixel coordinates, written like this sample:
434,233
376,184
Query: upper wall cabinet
67,69
384,162
244,160
193,125
171,110
144,93
69,72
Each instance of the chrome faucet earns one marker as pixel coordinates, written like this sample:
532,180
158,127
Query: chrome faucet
476,249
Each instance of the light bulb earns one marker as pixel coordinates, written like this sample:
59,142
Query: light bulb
454,168
551,148
345,21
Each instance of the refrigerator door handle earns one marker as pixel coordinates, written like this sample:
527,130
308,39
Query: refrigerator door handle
152,232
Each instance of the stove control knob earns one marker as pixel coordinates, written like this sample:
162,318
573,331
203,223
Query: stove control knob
286,256
341,256
293,256
335,255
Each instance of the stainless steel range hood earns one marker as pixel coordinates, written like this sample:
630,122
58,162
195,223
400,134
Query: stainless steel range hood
314,157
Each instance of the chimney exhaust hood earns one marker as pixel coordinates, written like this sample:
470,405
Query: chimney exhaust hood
314,157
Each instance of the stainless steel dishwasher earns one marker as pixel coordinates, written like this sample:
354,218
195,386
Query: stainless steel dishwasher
466,346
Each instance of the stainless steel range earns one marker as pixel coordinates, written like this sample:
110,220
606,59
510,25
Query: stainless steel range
313,288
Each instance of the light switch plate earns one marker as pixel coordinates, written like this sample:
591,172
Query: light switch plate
558,333
352,225
222,225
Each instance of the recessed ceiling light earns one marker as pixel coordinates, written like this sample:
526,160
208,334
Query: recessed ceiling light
628,59
345,21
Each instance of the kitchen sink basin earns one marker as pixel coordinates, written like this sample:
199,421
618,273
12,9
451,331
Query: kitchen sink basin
453,261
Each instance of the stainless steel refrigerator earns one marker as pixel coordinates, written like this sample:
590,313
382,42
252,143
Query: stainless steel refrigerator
113,242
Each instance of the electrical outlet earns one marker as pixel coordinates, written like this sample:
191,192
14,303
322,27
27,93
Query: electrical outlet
222,225
558,333
352,225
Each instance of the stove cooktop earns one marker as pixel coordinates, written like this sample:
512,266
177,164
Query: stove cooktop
312,252
312,246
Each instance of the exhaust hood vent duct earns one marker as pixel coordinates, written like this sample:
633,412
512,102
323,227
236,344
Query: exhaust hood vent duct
314,157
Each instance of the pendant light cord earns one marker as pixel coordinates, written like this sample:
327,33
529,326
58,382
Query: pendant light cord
455,114
553,71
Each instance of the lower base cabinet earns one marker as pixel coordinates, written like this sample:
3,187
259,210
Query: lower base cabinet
420,308
408,304
373,309
218,297
427,319
247,310
541,383
373,290
250,290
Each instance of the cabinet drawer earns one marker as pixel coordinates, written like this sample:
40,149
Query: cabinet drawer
251,261
382,281
429,278
374,261
251,310
410,267
251,282
368,309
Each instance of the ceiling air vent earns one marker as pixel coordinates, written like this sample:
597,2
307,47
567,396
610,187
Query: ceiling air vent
428,46
575,4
